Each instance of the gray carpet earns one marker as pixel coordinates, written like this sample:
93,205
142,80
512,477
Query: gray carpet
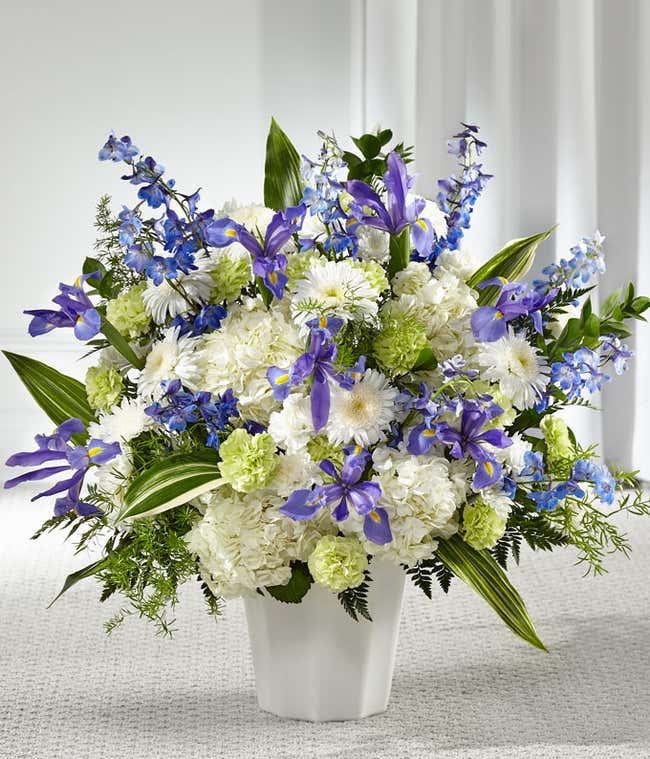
464,686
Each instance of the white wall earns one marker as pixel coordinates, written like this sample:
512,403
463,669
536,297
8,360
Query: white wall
194,86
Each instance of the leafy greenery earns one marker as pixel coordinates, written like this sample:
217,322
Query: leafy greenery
355,600
61,397
422,574
369,164
282,179
147,565
296,589
482,573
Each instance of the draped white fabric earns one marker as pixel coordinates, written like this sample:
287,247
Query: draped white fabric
561,91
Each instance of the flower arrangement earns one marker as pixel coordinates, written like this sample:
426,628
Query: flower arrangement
285,393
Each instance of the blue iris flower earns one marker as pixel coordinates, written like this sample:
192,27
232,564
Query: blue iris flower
75,310
76,459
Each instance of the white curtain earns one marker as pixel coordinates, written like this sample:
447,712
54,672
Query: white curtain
561,90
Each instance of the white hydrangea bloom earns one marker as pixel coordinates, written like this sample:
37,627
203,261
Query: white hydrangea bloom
408,281
173,357
421,502
164,301
336,288
251,339
461,263
363,413
242,541
292,427
517,367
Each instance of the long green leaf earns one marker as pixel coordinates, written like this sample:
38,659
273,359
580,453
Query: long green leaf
282,181
482,573
121,344
80,574
61,397
512,262
171,483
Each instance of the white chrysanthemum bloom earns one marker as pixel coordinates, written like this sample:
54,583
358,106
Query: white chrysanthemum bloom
411,279
517,367
164,301
251,339
373,244
335,288
513,456
421,503
292,427
254,216
363,413
173,357
243,542
122,423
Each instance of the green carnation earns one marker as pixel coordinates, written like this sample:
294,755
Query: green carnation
248,461
127,312
482,526
231,276
320,448
103,387
375,274
298,265
399,342
559,448
338,563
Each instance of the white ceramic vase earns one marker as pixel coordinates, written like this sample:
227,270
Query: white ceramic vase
313,662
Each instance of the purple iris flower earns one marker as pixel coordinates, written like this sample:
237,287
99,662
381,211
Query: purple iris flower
396,215
268,263
317,363
76,458
469,441
347,490
489,323
75,310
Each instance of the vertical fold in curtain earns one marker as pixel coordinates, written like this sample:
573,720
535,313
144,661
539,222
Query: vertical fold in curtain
560,90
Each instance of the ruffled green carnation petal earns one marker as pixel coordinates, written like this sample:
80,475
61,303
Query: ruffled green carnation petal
398,344
248,461
482,526
560,451
127,312
232,275
338,563
375,274
104,387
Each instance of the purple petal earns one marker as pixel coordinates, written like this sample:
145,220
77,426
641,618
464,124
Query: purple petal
280,381
222,232
341,512
497,438
376,527
487,473
488,324
302,505
422,236
329,469
87,325
34,458
320,403
37,474
63,485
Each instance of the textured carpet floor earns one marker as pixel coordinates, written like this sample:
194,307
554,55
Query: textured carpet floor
464,686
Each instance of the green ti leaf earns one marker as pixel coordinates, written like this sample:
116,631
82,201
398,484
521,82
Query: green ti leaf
512,263
282,181
80,574
296,589
482,573
170,483
61,397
